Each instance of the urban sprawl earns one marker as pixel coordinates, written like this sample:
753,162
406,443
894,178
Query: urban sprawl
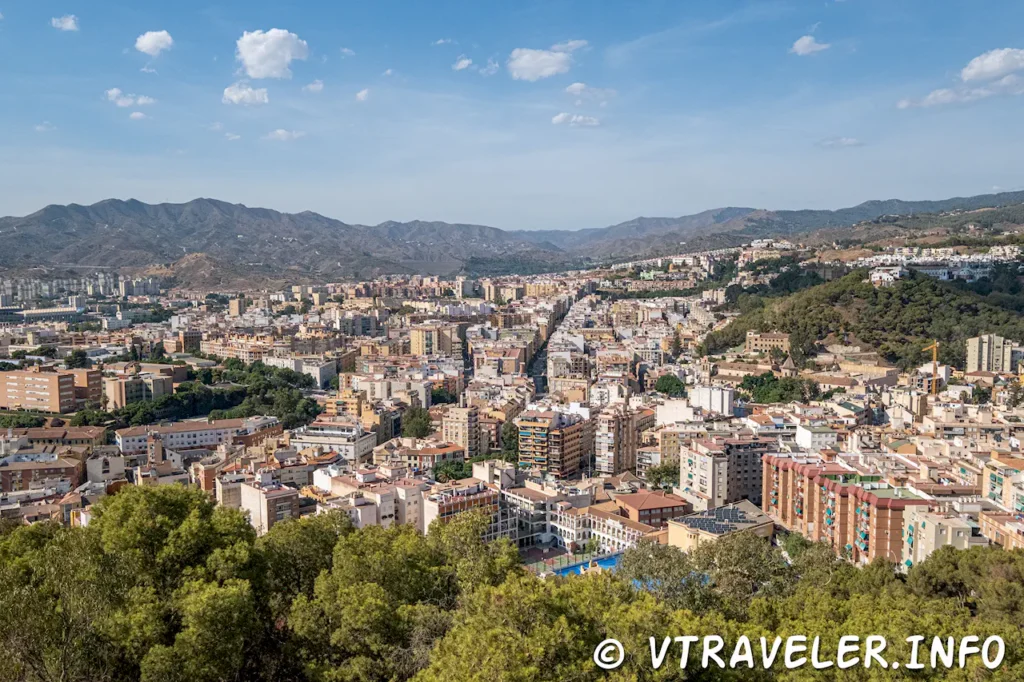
580,412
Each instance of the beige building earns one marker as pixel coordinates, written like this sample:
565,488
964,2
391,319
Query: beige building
268,503
925,531
461,425
236,307
717,471
435,340
616,438
991,353
764,343
38,389
130,388
689,532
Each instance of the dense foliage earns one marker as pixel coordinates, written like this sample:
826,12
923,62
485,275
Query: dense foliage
237,390
768,388
162,585
670,385
899,320
416,423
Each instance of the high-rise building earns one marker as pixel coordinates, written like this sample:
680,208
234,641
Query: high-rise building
461,425
615,440
718,471
236,307
552,441
992,353
435,340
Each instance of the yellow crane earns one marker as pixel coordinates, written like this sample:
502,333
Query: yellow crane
934,348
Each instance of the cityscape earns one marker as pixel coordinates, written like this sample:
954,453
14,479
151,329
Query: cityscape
254,442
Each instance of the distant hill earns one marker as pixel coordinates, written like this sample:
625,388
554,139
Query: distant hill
238,240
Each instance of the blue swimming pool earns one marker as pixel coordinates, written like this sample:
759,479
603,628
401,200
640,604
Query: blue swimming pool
606,563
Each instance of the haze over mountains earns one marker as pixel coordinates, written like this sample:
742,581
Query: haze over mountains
208,238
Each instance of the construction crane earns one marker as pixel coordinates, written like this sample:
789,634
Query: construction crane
934,348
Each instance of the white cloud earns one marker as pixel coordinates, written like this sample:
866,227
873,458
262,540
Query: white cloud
442,41
388,72
68,22
346,52
808,45
118,97
525,64
993,64
154,42
231,137
282,135
268,54
244,94
839,142
363,95
1011,84
587,92
569,46
491,68
45,126
216,127
147,69
1,16
315,86
575,120
463,62
136,116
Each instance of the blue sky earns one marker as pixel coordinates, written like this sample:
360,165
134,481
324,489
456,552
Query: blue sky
533,114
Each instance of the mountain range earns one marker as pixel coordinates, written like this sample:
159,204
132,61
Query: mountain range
206,242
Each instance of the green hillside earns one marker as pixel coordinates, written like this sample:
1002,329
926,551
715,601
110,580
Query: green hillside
898,321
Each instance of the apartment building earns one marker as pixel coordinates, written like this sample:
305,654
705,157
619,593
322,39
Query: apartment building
461,425
268,503
443,501
417,454
39,389
616,437
717,471
993,353
551,441
856,513
130,388
88,386
183,435
925,531
435,339
344,435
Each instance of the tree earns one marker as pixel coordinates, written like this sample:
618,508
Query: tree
452,471
677,345
1015,394
670,385
663,475
441,396
416,423
510,441
78,359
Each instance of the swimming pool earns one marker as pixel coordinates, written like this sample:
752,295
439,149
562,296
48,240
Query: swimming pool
606,563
